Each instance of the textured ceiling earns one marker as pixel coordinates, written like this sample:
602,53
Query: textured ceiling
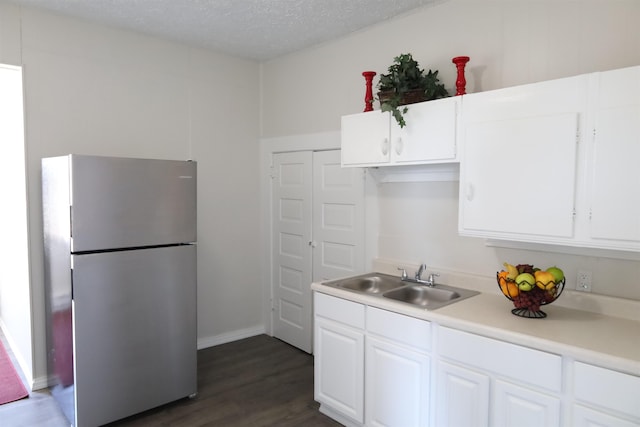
252,29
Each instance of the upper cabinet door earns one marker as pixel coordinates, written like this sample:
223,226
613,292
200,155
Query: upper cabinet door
518,167
430,133
375,139
365,139
615,179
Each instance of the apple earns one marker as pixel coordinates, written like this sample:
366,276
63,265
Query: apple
525,281
558,274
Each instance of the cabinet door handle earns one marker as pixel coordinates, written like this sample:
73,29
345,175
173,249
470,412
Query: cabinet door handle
470,192
399,146
385,146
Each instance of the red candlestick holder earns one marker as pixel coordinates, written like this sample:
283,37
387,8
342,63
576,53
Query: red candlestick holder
461,82
368,96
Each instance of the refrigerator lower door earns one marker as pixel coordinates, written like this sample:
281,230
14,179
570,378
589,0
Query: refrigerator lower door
134,326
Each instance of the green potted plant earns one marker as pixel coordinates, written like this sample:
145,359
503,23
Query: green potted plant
406,83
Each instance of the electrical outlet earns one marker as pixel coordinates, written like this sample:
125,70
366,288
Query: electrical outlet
584,281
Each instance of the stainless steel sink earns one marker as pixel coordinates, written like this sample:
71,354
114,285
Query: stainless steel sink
429,297
393,288
421,295
368,283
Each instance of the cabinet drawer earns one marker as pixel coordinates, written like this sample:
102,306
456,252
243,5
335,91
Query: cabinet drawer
520,363
340,310
607,388
400,328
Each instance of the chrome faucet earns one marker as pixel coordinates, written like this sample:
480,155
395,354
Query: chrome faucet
431,281
418,276
421,270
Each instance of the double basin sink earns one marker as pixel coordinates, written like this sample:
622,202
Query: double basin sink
394,288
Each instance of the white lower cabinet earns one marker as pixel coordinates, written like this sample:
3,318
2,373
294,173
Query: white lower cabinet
462,398
518,406
483,381
373,368
397,370
604,397
393,385
339,357
587,417
397,385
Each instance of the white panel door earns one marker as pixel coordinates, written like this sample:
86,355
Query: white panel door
365,139
508,164
338,217
339,368
518,406
292,221
587,417
430,134
615,194
318,233
396,386
518,160
462,397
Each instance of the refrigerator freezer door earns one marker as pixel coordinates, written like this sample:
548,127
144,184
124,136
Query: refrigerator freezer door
134,320
124,202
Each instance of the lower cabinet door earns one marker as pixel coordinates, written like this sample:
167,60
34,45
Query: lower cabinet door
518,406
462,397
397,388
586,417
339,368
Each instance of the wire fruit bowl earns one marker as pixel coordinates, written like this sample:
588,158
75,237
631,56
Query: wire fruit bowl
527,303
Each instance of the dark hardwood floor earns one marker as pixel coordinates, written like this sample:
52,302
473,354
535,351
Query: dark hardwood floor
257,381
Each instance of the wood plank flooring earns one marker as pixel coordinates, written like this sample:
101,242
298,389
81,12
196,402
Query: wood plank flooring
257,381
39,409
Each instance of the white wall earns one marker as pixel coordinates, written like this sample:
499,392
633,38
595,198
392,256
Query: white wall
510,42
15,295
97,90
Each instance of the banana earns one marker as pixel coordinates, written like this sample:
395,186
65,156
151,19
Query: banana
512,270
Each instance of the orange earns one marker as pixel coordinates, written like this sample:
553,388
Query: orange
512,289
509,288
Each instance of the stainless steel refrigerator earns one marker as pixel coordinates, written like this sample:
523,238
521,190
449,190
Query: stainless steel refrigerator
120,274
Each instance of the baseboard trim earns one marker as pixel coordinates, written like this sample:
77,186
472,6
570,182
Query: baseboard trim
42,382
230,337
336,416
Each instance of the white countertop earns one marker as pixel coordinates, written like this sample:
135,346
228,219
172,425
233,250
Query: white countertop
591,337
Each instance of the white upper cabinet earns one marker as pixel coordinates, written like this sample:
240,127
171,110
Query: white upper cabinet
518,166
375,139
365,139
614,183
554,162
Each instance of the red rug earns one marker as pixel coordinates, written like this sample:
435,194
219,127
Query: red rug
11,387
